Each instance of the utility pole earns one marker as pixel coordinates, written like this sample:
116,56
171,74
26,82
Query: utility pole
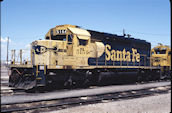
20,56
7,49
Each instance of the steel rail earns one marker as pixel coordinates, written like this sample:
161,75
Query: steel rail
14,92
60,103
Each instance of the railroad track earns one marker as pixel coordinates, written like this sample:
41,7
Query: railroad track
55,104
7,91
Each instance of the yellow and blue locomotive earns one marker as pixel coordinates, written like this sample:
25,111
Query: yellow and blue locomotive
70,55
161,57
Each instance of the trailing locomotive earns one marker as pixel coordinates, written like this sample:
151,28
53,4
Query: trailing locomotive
70,55
161,57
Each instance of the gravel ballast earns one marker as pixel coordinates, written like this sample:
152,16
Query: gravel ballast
152,104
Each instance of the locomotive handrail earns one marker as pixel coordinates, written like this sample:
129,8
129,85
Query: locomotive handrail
97,61
19,56
24,62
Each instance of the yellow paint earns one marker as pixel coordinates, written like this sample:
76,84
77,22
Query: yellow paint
136,56
68,53
124,55
128,56
108,53
117,55
45,69
161,56
113,55
37,70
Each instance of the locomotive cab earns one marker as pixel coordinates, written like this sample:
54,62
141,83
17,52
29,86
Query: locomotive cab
161,56
64,45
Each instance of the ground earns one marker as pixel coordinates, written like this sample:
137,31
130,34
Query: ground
152,104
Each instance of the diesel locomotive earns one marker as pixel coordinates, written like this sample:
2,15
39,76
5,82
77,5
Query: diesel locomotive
70,55
161,57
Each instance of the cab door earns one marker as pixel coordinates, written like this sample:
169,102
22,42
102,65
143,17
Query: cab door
70,45
82,46
82,50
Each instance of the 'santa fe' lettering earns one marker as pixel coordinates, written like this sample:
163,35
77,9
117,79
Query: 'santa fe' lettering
117,55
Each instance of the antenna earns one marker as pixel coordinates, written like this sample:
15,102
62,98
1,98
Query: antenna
128,35
124,33
159,44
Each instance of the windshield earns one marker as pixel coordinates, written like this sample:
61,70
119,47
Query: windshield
160,51
59,37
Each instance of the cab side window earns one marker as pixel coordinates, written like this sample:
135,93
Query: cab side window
83,42
169,52
70,37
47,38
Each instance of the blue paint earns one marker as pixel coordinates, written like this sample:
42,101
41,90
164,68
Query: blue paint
119,43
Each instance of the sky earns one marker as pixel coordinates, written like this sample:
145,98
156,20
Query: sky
24,21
